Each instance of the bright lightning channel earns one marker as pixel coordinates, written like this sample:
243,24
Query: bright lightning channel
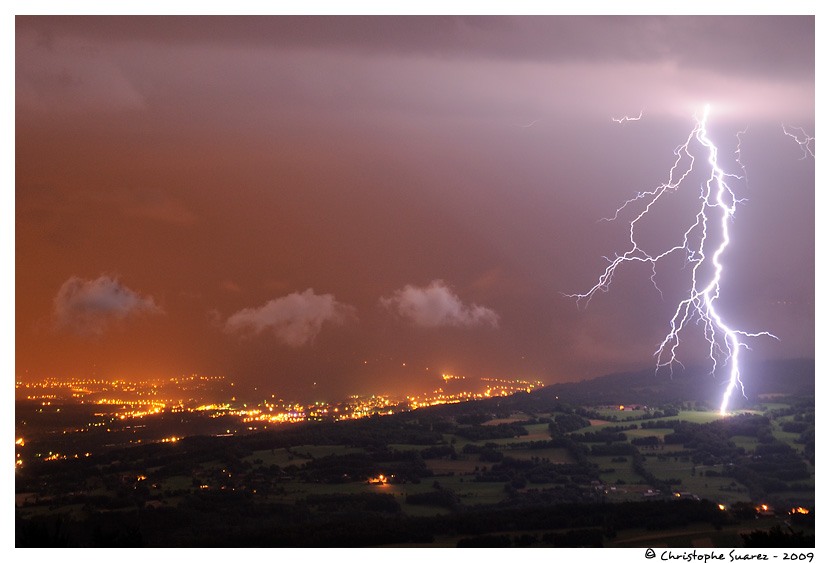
625,118
800,136
717,204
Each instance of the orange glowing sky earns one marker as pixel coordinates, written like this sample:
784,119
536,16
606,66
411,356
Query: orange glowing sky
351,203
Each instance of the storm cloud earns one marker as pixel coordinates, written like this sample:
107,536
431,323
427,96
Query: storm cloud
295,319
227,162
436,305
89,307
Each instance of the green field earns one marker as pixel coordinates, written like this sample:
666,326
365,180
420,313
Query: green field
668,462
45,510
769,407
282,457
748,443
515,417
463,466
699,417
631,416
620,416
458,474
323,451
694,480
469,492
788,438
472,492
622,471
177,483
407,447
646,432
698,536
535,433
554,455
279,457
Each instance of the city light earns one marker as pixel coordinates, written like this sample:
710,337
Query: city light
122,407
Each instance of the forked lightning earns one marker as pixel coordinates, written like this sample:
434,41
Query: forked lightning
703,244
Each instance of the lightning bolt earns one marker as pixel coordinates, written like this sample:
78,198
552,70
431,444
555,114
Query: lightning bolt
625,118
531,124
805,141
702,245
738,151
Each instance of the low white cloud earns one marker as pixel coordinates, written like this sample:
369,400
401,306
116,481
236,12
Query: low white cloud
436,305
89,307
295,319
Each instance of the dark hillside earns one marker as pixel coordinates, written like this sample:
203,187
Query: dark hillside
693,384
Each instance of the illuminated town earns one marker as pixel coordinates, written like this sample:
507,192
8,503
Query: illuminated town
125,408
89,448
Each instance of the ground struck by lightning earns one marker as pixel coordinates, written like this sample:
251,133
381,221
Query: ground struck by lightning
701,246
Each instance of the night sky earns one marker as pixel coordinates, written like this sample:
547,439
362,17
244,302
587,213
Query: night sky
332,205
